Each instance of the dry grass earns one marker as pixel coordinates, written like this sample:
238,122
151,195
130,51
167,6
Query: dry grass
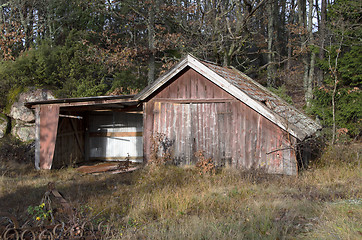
168,202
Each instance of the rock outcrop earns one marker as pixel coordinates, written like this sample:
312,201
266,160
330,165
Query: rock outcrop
23,130
23,119
3,125
20,112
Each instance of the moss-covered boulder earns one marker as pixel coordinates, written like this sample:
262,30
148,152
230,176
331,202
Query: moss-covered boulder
23,118
19,112
23,131
3,125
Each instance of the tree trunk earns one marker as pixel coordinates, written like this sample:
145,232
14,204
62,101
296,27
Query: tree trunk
290,22
151,43
305,58
308,84
335,75
25,13
334,109
282,38
322,36
271,65
309,88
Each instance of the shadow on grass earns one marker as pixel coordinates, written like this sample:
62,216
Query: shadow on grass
78,190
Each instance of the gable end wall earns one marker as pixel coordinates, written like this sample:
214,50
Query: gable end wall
195,114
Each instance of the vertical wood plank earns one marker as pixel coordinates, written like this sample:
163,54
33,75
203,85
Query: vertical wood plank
243,135
37,137
49,117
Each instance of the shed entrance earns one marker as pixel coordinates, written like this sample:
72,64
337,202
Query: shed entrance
115,136
193,127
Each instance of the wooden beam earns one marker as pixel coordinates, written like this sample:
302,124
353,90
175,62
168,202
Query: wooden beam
205,100
116,158
116,134
94,103
70,116
48,127
37,137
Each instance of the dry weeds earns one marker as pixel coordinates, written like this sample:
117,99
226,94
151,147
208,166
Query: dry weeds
171,202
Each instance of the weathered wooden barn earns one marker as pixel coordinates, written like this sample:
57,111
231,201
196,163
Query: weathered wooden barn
196,106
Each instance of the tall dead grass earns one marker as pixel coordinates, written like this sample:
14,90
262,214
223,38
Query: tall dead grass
168,202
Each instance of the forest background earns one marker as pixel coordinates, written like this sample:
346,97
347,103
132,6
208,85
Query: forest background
307,51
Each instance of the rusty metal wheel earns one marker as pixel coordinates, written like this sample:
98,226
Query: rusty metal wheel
27,234
7,219
27,224
88,229
46,234
11,234
100,226
59,230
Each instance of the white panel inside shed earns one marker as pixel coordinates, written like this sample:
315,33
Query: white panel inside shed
115,136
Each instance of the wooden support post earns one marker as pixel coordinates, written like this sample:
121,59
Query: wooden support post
37,137
48,118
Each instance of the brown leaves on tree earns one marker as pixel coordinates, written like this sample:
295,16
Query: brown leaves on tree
11,35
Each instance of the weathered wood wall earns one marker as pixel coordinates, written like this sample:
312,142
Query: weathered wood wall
69,147
195,114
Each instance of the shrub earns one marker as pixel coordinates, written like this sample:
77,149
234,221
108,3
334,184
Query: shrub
160,150
204,165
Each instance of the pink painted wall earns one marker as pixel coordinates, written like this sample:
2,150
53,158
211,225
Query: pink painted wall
49,117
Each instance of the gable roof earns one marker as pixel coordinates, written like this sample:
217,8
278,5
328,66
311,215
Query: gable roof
247,91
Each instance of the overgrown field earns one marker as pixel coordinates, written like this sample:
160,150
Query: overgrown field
167,202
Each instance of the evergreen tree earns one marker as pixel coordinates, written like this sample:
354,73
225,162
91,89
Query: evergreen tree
339,101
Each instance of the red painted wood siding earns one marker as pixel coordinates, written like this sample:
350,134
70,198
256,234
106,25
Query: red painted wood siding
49,116
195,114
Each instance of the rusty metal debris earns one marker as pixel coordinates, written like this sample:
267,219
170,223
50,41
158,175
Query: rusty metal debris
56,228
54,232
113,168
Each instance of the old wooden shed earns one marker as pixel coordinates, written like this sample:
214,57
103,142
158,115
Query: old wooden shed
196,106
200,106
75,130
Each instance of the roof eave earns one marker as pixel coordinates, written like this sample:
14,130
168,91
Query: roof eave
68,102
